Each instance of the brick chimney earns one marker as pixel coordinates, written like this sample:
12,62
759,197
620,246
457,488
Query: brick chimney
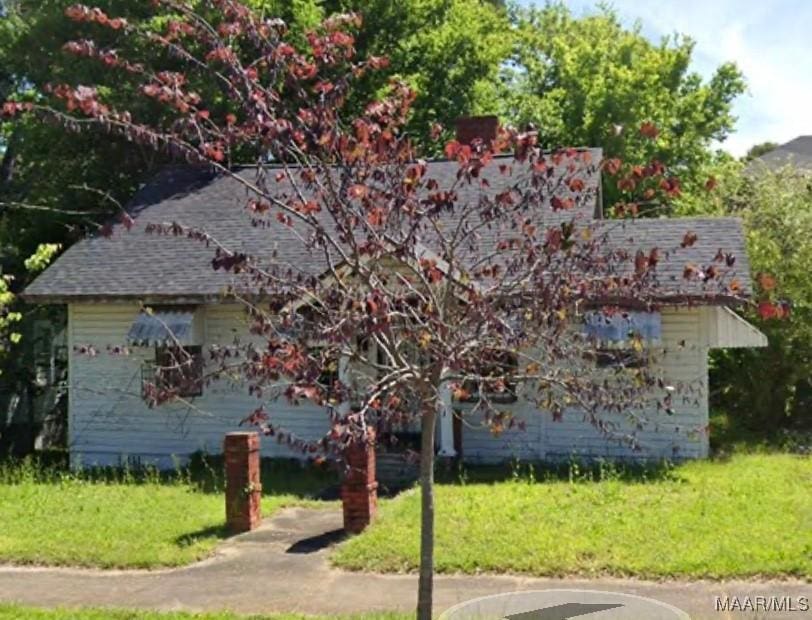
469,128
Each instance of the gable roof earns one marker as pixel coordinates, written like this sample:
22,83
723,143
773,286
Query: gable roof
134,264
797,152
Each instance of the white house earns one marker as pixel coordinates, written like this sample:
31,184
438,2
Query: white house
104,281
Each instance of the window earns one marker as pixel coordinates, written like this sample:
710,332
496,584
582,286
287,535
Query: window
177,368
620,358
622,326
499,365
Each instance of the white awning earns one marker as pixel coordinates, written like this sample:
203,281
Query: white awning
164,327
724,329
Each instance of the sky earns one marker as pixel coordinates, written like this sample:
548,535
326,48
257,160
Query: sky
770,41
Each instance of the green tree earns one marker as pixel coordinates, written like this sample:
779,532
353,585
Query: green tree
450,51
757,150
771,387
591,82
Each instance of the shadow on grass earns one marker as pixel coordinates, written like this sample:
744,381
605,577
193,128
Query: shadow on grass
217,531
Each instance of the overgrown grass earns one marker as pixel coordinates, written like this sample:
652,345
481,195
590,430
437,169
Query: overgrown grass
15,612
730,436
118,518
746,516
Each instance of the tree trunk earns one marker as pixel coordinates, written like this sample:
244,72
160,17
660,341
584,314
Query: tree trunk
9,159
425,587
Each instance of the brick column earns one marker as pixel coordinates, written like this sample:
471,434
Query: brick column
359,489
243,487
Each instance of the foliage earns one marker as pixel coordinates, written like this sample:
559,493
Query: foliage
10,314
40,259
423,286
769,389
757,150
449,51
45,514
713,519
18,612
589,81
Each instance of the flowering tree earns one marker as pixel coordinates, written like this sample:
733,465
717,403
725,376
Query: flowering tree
409,286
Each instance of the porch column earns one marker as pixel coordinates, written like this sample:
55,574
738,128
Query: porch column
446,422
344,378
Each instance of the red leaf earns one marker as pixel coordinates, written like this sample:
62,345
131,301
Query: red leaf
768,310
612,166
711,184
451,149
688,240
576,185
649,130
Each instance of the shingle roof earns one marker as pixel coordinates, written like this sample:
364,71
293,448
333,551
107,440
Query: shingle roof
137,264
713,235
797,152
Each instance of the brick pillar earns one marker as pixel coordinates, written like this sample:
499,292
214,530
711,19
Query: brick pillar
359,489
243,487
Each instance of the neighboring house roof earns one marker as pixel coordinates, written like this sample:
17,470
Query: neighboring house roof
797,152
139,265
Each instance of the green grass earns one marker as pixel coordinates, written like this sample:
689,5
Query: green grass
15,612
119,519
747,516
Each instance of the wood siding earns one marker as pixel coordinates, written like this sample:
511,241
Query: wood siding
683,360
110,424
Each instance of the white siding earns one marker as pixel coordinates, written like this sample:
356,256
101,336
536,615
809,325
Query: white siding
108,421
682,435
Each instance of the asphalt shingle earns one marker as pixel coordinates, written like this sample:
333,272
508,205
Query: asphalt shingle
140,265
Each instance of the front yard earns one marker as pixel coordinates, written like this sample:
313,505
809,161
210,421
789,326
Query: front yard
120,520
15,612
749,516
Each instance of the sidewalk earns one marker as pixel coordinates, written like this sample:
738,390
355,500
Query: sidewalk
283,566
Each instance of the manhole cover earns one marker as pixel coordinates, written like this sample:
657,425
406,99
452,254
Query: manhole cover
563,604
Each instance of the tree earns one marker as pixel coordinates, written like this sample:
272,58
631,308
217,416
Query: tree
592,82
762,148
413,288
770,388
449,51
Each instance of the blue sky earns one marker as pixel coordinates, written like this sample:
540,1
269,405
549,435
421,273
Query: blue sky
770,40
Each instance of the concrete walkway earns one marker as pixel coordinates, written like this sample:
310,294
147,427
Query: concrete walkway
283,566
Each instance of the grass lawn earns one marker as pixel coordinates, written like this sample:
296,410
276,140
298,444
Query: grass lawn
115,519
747,516
14,612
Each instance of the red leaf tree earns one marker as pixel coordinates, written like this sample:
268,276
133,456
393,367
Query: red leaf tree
414,286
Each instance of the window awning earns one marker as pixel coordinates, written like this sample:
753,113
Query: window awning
163,327
623,326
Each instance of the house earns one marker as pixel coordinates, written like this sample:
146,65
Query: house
796,153
104,282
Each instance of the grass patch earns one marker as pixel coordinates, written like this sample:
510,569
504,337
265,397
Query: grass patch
16,612
112,518
747,516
